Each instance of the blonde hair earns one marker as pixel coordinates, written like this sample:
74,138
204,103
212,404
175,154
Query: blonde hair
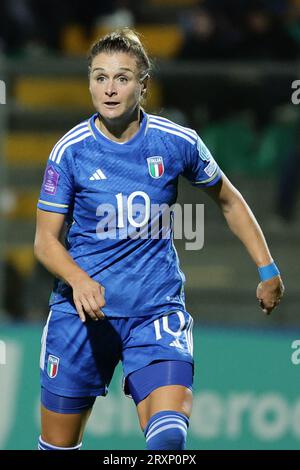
122,40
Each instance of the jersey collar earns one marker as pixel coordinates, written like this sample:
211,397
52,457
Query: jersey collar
100,137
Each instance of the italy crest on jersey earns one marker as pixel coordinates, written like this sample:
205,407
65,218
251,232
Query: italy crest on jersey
52,366
156,166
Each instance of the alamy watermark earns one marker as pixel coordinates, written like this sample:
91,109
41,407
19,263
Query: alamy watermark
2,353
2,92
146,220
295,357
295,98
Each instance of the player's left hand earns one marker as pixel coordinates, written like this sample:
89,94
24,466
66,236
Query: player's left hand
269,293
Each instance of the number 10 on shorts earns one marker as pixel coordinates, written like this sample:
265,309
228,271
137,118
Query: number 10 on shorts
168,323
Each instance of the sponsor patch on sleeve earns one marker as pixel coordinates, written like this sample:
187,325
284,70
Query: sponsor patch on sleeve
50,182
211,168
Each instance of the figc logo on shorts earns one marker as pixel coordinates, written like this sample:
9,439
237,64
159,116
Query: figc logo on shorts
52,366
156,166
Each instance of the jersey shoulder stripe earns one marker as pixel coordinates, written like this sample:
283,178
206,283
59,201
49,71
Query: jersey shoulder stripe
75,130
64,145
172,131
166,122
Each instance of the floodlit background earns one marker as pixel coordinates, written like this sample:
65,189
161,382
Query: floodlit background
226,69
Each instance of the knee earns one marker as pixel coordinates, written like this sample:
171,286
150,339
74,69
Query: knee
166,430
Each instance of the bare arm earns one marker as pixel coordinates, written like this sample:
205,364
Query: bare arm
243,224
88,294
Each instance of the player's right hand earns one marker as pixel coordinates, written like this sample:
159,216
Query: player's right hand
88,296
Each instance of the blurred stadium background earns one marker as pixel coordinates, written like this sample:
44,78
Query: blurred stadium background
226,69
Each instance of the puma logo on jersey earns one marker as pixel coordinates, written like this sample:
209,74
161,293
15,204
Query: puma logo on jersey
98,175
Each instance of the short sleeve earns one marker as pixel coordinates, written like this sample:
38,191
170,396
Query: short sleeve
57,189
201,169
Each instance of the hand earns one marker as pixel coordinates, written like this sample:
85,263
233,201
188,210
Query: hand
269,293
88,297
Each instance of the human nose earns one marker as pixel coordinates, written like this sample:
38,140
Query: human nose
110,88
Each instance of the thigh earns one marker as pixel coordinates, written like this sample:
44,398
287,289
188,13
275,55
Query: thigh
170,397
63,430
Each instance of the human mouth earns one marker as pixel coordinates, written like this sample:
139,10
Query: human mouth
111,104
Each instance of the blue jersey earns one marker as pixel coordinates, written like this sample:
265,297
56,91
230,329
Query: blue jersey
108,191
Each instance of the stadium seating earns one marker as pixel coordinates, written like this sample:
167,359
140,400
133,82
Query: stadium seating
161,41
74,41
47,92
29,149
234,142
22,258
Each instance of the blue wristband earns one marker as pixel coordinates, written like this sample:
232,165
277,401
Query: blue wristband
267,272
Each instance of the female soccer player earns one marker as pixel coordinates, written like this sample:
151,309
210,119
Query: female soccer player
119,289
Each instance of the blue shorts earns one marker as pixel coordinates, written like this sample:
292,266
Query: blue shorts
78,359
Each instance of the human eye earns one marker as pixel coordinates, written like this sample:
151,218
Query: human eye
123,79
100,79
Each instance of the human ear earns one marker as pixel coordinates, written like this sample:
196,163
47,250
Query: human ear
144,83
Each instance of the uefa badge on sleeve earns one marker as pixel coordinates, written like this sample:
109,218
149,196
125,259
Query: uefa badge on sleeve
52,366
156,166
